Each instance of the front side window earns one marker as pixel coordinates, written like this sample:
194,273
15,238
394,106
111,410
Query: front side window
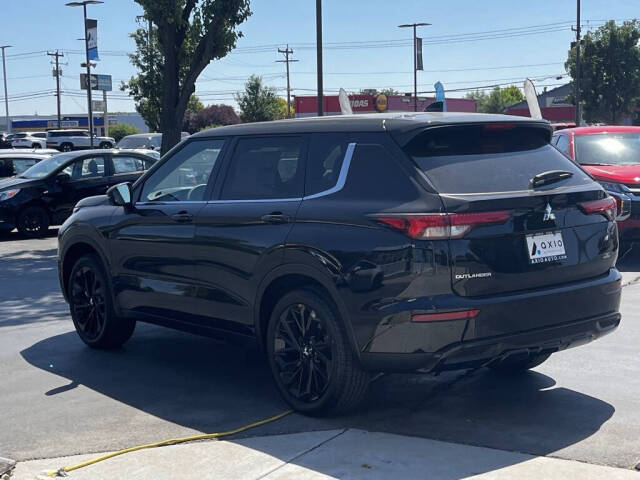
265,168
91,167
184,176
125,164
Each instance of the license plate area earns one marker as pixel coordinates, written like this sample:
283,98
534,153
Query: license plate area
545,247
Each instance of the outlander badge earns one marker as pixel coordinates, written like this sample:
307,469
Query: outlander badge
548,214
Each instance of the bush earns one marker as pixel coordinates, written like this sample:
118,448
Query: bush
122,130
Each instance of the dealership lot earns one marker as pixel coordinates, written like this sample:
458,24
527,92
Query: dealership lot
61,398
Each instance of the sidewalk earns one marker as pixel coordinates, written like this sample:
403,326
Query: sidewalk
343,454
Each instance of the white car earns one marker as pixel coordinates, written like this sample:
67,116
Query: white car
29,140
68,140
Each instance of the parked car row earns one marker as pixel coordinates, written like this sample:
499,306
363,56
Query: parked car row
43,188
64,140
611,154
348,246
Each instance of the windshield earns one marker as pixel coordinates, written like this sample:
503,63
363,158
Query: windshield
134,142
608,148
45,167
20,135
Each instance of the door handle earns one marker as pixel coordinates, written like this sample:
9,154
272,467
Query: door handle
276,217
182,217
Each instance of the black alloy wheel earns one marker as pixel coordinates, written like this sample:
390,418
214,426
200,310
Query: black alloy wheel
312,361
88,293
66,147
33,222
302,352
91,306
105,145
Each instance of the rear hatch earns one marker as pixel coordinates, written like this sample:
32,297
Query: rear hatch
521,215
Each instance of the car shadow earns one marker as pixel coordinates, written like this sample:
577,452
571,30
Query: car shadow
30,290
206,386
629,261
14,235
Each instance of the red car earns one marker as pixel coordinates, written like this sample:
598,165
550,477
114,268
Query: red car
611,154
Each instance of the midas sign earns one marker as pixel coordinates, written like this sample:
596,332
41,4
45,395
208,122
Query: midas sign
360,103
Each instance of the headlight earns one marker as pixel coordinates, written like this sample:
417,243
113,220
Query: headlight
612,187
7,194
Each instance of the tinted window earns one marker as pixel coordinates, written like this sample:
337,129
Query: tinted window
184,176
15,166
86,168
134,142
40,135
266,167
326,154
125,164
608,148
479,158
562,144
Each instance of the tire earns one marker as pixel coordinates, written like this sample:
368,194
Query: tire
33,222
520,365
91,306
36,146
324,354
105,145
66,147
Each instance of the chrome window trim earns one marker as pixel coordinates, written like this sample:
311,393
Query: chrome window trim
342,178
257,200
177,202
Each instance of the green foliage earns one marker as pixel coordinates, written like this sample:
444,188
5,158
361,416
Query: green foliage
194,105
497,100
282,108
610,71
121,130
258,103
385,91
186,36
146,86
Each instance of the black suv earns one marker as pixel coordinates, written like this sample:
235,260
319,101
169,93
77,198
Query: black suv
46,193
353,245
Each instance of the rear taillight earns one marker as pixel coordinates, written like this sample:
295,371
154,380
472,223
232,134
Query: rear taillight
439,226
604,206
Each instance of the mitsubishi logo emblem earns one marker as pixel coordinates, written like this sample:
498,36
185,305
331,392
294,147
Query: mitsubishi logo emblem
548,214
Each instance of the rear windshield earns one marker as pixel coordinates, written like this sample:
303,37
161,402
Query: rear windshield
134,142
608,148
488,158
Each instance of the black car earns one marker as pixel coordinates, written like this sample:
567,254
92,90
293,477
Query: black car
46,193
14,162
5,139
353,245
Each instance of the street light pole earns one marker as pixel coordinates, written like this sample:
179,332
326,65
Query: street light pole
6,98
415,59
84,4
319,55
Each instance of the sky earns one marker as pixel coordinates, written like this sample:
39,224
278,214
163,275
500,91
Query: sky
470,44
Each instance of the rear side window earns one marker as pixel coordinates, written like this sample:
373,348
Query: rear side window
126,164
563,144
326,154
265,168
488,158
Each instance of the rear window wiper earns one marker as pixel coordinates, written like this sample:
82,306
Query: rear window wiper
552,176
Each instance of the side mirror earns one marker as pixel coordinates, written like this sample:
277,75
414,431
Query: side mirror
120,195
63,177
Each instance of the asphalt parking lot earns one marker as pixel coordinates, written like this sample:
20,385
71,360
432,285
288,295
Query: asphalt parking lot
61,398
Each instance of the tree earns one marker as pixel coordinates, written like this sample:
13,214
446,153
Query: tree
194,107
282,109
610,71
384,91
190,34
257,103
121,130
497,100
146,87
213,115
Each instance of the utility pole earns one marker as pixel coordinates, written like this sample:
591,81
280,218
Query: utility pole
84,4
319,55
415,59
6,97
576,81
57,73
286,52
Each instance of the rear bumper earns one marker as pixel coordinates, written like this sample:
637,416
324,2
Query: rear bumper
538,321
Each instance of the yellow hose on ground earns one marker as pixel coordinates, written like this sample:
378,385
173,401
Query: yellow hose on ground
172,441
